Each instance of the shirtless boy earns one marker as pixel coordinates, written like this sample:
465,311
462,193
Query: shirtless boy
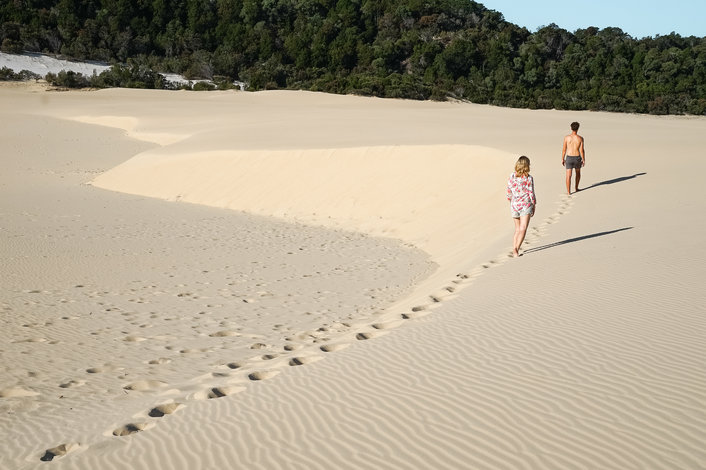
573,156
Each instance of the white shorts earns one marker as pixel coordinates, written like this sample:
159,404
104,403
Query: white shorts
517,214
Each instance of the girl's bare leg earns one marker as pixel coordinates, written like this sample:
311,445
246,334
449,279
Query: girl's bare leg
521,225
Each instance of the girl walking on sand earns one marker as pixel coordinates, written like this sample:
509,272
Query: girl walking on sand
520,193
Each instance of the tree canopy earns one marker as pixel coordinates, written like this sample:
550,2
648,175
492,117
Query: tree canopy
431,49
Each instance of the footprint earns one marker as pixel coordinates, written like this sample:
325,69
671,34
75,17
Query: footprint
144,385
58,451
195,350
462,279
444,294
73,383
31,340
369,335
218,392
224,333
387,325
161,360
100,370
224,391
262,375
300,361
131,428
134,339
333,347
165,409
414,315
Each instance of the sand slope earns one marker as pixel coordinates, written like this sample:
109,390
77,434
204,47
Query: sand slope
587,352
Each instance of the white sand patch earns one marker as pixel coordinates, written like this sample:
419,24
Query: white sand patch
43,64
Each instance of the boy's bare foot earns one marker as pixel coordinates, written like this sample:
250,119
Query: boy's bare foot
515,254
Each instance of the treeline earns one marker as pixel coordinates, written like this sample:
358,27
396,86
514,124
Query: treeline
419,49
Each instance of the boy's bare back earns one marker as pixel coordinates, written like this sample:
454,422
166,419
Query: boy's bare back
573,144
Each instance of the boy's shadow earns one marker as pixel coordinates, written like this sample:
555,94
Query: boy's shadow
614,180
577,239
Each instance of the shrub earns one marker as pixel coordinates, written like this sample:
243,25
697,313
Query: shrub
68,79
11,46
7,74
203,86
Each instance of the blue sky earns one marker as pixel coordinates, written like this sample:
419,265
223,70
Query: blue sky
635,17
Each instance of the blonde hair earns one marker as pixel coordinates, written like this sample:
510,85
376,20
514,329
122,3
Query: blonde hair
522,167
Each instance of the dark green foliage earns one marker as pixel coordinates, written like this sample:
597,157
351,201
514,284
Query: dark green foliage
7,75
417,49
203,86
133,76
68,79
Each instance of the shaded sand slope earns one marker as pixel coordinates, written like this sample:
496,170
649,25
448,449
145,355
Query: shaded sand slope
587,352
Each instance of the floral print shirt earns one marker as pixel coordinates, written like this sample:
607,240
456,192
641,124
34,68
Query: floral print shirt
520,192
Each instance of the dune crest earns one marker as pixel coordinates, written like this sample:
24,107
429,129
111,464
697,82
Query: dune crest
424,195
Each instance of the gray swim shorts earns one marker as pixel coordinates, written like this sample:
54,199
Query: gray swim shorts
572,162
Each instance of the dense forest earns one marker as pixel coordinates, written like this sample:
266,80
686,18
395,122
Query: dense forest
418,49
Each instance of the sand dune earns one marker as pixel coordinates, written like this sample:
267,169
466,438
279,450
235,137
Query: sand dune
155,334
400,192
